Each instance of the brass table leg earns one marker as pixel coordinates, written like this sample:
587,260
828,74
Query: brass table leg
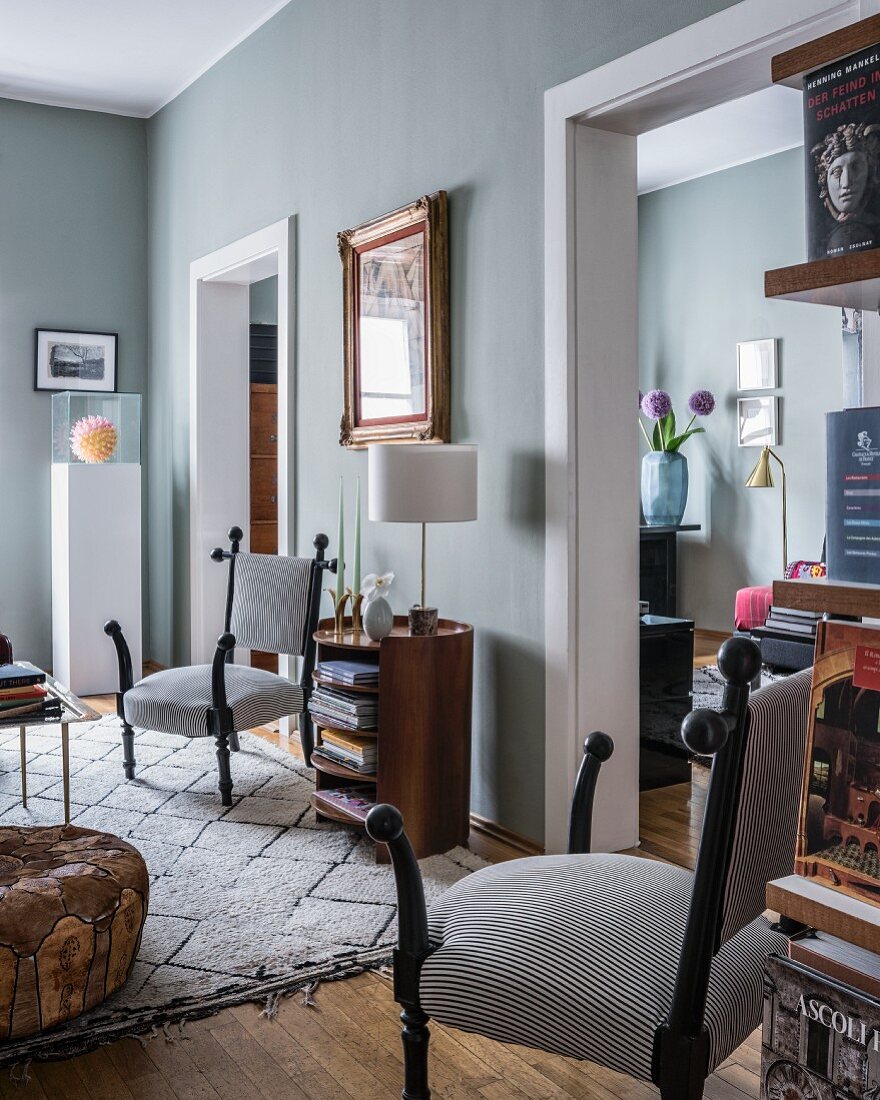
22,744
65,770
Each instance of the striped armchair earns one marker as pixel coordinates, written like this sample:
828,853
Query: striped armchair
640,966
272,604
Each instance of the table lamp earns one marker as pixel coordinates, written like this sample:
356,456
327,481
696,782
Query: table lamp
422,483
762,478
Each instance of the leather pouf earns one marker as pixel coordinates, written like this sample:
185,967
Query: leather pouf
72,906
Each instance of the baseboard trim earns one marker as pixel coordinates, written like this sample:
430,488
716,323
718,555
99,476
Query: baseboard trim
497,844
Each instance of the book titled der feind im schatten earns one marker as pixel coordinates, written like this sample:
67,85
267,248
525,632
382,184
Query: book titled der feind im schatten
842,153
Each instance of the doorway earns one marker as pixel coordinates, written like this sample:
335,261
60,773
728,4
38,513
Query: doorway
221,415
591,372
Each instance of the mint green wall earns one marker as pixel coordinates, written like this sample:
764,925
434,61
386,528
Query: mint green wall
703,250
72,255
335,113
264,301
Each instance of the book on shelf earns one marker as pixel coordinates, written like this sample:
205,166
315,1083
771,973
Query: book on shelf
350,742
352,673
41,709
12,676
795,614
346,701
327,752
839,828
789,626
841,116
852,495
845,962
17,697
355,801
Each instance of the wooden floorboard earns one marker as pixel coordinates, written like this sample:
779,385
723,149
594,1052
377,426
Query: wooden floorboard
348,1045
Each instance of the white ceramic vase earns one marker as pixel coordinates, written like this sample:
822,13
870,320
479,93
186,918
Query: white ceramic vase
378,618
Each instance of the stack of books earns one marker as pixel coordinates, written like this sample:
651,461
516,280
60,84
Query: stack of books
349,673
344,709
356,752
787,620
23,696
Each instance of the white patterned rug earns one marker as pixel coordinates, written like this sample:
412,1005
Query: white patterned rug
245,901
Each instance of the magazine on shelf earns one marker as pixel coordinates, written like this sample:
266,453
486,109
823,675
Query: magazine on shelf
852,495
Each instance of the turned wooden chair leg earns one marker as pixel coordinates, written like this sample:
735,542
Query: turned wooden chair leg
416,1037
225,784
234,745
128,760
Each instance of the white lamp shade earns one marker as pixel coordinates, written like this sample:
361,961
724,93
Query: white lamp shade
422,483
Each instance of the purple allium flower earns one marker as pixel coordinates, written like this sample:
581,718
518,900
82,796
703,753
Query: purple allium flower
656,404
701,402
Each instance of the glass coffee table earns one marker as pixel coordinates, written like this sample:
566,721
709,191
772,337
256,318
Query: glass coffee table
73,709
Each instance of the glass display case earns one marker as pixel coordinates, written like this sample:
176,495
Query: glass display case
96,428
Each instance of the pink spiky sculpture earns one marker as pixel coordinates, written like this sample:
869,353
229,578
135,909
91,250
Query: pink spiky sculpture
93,439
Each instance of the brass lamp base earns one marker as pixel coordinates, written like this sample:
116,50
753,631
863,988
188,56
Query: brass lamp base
422,621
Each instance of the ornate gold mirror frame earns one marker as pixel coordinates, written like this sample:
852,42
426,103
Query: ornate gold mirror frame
395,279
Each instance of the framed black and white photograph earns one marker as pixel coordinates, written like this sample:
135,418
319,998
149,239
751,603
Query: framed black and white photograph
756,365
757,421
68,360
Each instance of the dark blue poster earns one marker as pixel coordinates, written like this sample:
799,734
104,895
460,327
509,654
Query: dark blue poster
852,502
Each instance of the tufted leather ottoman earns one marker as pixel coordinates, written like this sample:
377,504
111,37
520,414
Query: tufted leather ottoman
72,906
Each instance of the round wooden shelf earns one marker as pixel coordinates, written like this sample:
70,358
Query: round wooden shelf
327,809
326,636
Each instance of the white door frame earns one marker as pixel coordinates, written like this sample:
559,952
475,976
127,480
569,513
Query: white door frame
591,631
219,413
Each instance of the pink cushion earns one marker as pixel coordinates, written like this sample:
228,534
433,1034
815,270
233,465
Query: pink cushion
752,606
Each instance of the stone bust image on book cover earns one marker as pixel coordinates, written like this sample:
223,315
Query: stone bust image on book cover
839,831
842,151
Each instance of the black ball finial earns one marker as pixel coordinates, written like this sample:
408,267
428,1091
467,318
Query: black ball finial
235,534
217,553
704,732
111,627
739,660
599,745
321,542
384,823
226,642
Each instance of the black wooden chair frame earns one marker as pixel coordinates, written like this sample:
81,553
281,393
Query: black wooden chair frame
681,1045
220,723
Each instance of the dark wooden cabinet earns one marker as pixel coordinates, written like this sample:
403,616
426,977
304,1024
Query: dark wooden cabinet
658,567
424,731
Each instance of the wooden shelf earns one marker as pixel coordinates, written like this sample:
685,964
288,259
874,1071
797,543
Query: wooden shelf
833,597
852,281
827,910
424,704
789,67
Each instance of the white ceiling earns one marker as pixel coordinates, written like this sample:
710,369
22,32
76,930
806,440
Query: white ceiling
126,56
733,133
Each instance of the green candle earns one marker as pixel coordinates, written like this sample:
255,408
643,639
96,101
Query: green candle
340,551
356,581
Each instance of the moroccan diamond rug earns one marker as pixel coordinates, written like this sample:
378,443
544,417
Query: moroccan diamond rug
246,902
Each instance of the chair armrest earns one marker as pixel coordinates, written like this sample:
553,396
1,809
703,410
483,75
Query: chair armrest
225,645
598,748
385,825
126,680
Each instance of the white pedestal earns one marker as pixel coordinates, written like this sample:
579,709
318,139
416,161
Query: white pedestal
96,572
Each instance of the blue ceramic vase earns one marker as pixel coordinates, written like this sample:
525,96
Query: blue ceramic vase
664,487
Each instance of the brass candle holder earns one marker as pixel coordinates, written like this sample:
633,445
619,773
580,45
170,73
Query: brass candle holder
339,610
357,623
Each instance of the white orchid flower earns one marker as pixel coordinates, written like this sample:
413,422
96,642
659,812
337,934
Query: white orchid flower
376,585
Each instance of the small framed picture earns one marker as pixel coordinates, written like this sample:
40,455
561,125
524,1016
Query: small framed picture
756,365
757,419
67,360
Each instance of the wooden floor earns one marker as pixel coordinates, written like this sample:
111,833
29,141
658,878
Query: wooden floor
348,1046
